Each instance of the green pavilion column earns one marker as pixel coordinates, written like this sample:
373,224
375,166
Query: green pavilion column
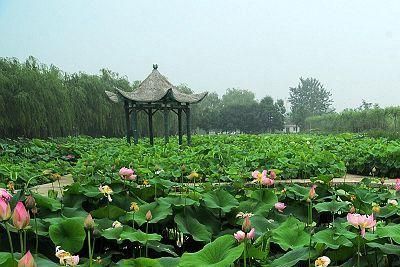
151,134
188,126
180,126
166,128
128,123
135,125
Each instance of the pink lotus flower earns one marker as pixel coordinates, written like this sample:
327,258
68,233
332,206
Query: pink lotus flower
250,235
5,210
5,195
262,177
280,206
20,216
125,171
66,259
240,236
27,260
127,174
72,261
361,221
397,187
256,175
267,181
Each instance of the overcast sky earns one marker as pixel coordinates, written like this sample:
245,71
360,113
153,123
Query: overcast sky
352,47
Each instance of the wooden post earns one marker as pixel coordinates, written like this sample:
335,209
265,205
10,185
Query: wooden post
151,134
134,126
166,133
128,123
180,126
188,126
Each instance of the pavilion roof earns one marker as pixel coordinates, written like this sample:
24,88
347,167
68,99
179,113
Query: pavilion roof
156,88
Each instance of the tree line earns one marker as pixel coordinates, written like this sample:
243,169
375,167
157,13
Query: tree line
365,118
38,100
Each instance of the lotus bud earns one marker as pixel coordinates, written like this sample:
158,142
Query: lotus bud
89,222
251,234
20,216
183,168
96,233
374,169
149,216
27,260
34,210
239,236
279,206
311,194
397,186
30,202
5,210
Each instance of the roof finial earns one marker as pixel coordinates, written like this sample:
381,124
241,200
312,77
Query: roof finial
155,66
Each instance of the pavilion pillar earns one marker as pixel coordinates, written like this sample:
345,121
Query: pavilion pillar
135,126
188,126
166,129
151,134
180,126
128,123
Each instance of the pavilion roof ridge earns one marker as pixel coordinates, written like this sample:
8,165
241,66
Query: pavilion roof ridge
156,88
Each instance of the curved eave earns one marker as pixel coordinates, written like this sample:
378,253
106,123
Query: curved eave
112,96
171,94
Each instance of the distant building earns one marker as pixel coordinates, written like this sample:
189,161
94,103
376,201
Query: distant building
291,128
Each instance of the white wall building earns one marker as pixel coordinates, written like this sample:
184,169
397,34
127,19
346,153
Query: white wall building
291,128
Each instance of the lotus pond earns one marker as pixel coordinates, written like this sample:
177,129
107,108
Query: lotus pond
225,201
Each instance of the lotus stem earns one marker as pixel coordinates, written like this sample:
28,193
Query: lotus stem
21,242
36,233
310,228
147,231
94,242
9,241
24,241
89,248
358,252
245,253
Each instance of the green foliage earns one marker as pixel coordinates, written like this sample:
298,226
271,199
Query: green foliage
309,98
69,234
42,101
374,121
290,234
221,252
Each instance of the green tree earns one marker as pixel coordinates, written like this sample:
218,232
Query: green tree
309,98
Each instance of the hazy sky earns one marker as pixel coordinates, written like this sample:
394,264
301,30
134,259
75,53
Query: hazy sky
352,47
